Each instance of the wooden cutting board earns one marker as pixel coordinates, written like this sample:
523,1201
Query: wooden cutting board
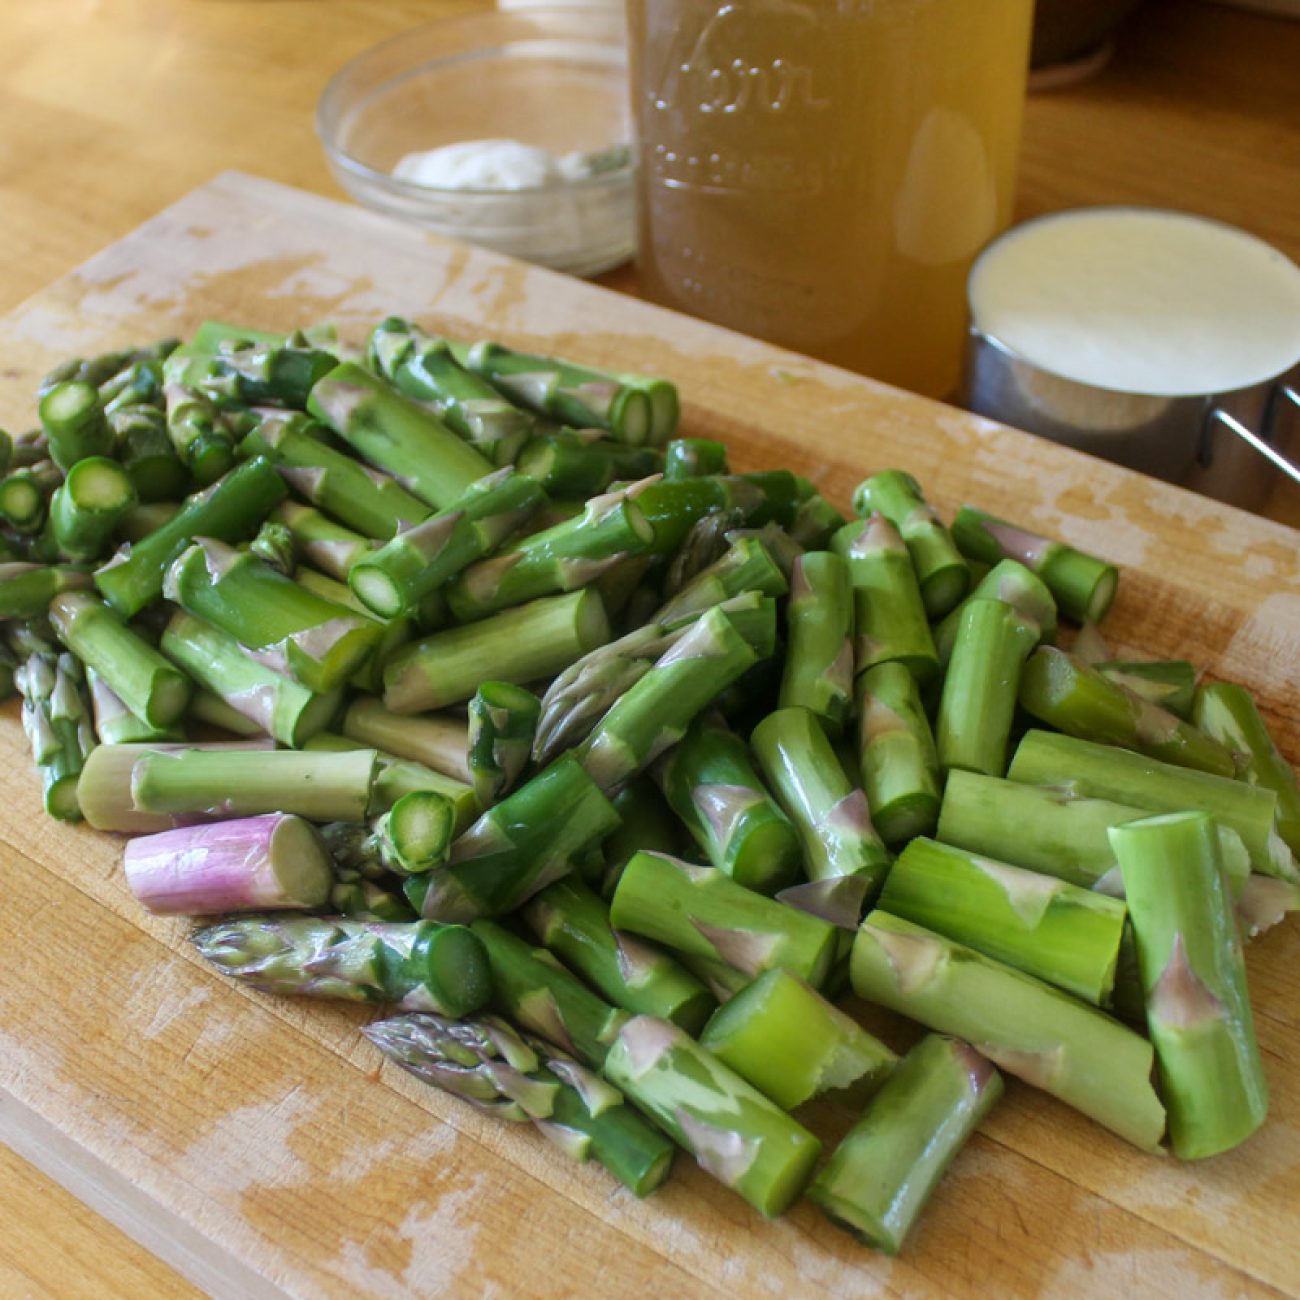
259,1147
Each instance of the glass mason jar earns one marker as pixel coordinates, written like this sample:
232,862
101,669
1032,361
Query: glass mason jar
821,173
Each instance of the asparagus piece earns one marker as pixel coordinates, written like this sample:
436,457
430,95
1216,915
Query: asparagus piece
318,540
674,508
699,910
573,922
438,742
1194,978
1008,581
274,545
1083,586
694,458
210,709
733,1131
138,384
896,754
374,504
115,724
815,522
656,711
791,1044
56,720
1228,715
881,1175
415,834
25,496
1039,924
1050,831
518,645
29,448
889,616
254,372
579,463
532,989
819,658
285,626
1029,1028
943,575
520,846
747,565
143,445
27,589
978,703
710,783
421,966
1170,684
419,560
73,419
228,511
397,435
502,723
647,824
366,900
88,505
259,863
424,368
844,857
1068,695
573,554
202,442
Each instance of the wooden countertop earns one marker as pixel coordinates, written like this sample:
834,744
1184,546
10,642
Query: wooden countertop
110,112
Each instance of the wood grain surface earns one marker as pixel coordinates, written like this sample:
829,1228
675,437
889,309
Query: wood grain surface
258,1146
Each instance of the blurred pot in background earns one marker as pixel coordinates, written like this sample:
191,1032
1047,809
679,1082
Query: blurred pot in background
1066,30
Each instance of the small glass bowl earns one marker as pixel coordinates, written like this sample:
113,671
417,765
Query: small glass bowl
550,76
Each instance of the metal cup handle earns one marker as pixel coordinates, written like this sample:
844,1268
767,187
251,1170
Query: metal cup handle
1282,392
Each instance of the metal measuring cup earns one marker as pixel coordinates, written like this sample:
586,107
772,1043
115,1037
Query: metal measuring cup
1224,445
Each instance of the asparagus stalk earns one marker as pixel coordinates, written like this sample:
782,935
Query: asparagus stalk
573,922
699,910
978,703
1083,586
1170,683
397,435
747,565
710,783
896,754
415,834
733,1131
153,689
695,458
420,559
203,444
1048,830
137,384
115,724
441,743
256,864
254,372
318,540
141,442
815,521
1030,1029
844,857
1066,694
579,463
56,720
1013,584
374,504
502,723
889,616
25,496
943,575
27,589
88,505
519,847
518,645
674,508
819,657
228,511
1228,715
73,419
421,966
210,709
647,824
1194,978
791,1044
881,1175
367,900
285,626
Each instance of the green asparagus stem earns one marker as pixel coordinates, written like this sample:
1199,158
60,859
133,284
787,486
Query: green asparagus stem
573,922
438,742
502,723
579,463
845,859
56,719
881,1175
366,900
815,520
889,616
791,1044
1194,977
421,966
29,448
694,458
137,384
943,575
229,511
374,504
819,658
520,846
141,442
73,419
397,435
518,645
674,508
27,589
747,565
734,1132
1029,1028
274,545
648,824
254,372
284,625
1227,714
979,690
896,754
25,496
419,560
1170,684
1068,695
318,540
415,834
115,724
699,910
1048,830
139,522
1083,586
86,508
1008,581
201,441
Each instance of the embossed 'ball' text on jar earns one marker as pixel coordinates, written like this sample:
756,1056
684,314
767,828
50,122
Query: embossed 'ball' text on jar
821,173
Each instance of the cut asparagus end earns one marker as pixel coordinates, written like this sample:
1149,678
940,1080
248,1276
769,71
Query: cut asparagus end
418,830
451,959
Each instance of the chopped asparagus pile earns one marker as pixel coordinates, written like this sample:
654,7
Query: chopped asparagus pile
446,677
